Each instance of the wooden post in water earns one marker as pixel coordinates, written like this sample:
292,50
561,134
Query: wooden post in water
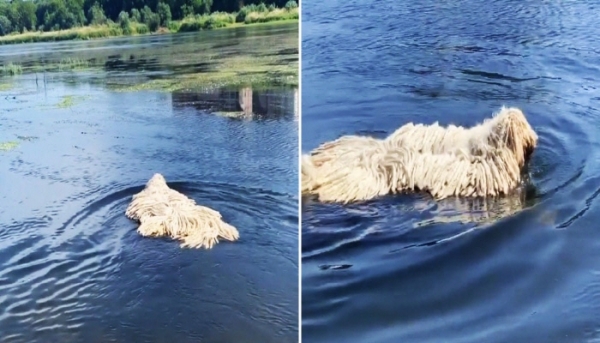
296,104
245,98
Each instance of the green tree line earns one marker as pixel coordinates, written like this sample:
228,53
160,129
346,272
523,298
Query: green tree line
51,15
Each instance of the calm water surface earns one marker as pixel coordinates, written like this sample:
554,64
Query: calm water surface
407,269
73,268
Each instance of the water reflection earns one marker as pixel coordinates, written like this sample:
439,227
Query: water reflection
244,102
130,63
169,62
474,210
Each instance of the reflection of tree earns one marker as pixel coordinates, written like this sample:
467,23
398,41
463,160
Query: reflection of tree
245,102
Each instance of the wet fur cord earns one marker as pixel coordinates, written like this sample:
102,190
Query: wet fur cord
484,160
162,211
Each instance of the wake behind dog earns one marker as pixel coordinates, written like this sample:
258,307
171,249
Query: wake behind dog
484,160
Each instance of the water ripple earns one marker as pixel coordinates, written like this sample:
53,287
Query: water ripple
72,266
59,284
458,270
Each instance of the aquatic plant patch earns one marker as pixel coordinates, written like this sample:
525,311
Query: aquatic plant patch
7,146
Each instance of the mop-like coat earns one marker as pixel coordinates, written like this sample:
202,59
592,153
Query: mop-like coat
484,160
162,211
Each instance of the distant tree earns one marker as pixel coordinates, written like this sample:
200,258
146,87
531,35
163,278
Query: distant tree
146,13
150,18
75,8
96,15
164,13
291,5
59,17
186,10
24,16
124,22
136,15
5,25
203,6
60,14
21,15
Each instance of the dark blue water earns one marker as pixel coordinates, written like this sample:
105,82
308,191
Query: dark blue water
73,268
408,269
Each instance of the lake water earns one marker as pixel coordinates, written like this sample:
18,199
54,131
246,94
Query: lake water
408,269
72,267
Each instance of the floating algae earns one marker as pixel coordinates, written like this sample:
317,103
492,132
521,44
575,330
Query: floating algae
10,145
69,101
214,80
218,61
11,69
7,146
256,71
6,86
73,64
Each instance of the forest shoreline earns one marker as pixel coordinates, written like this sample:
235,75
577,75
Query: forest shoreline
215,21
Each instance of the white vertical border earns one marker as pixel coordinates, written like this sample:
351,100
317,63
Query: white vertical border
299,171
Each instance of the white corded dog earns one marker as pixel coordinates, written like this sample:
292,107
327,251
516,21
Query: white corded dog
162,211
484,160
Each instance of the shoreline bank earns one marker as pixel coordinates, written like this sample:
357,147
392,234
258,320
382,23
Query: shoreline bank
215,21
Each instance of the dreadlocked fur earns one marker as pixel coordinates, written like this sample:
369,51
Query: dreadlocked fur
484,160
162,211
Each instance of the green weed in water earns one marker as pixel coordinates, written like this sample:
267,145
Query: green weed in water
214,80
11,69
6,86
11,145
72,63
7,146
253,66
66,102
69,101
256,71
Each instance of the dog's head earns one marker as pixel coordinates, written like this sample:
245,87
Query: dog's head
513,130
157,180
